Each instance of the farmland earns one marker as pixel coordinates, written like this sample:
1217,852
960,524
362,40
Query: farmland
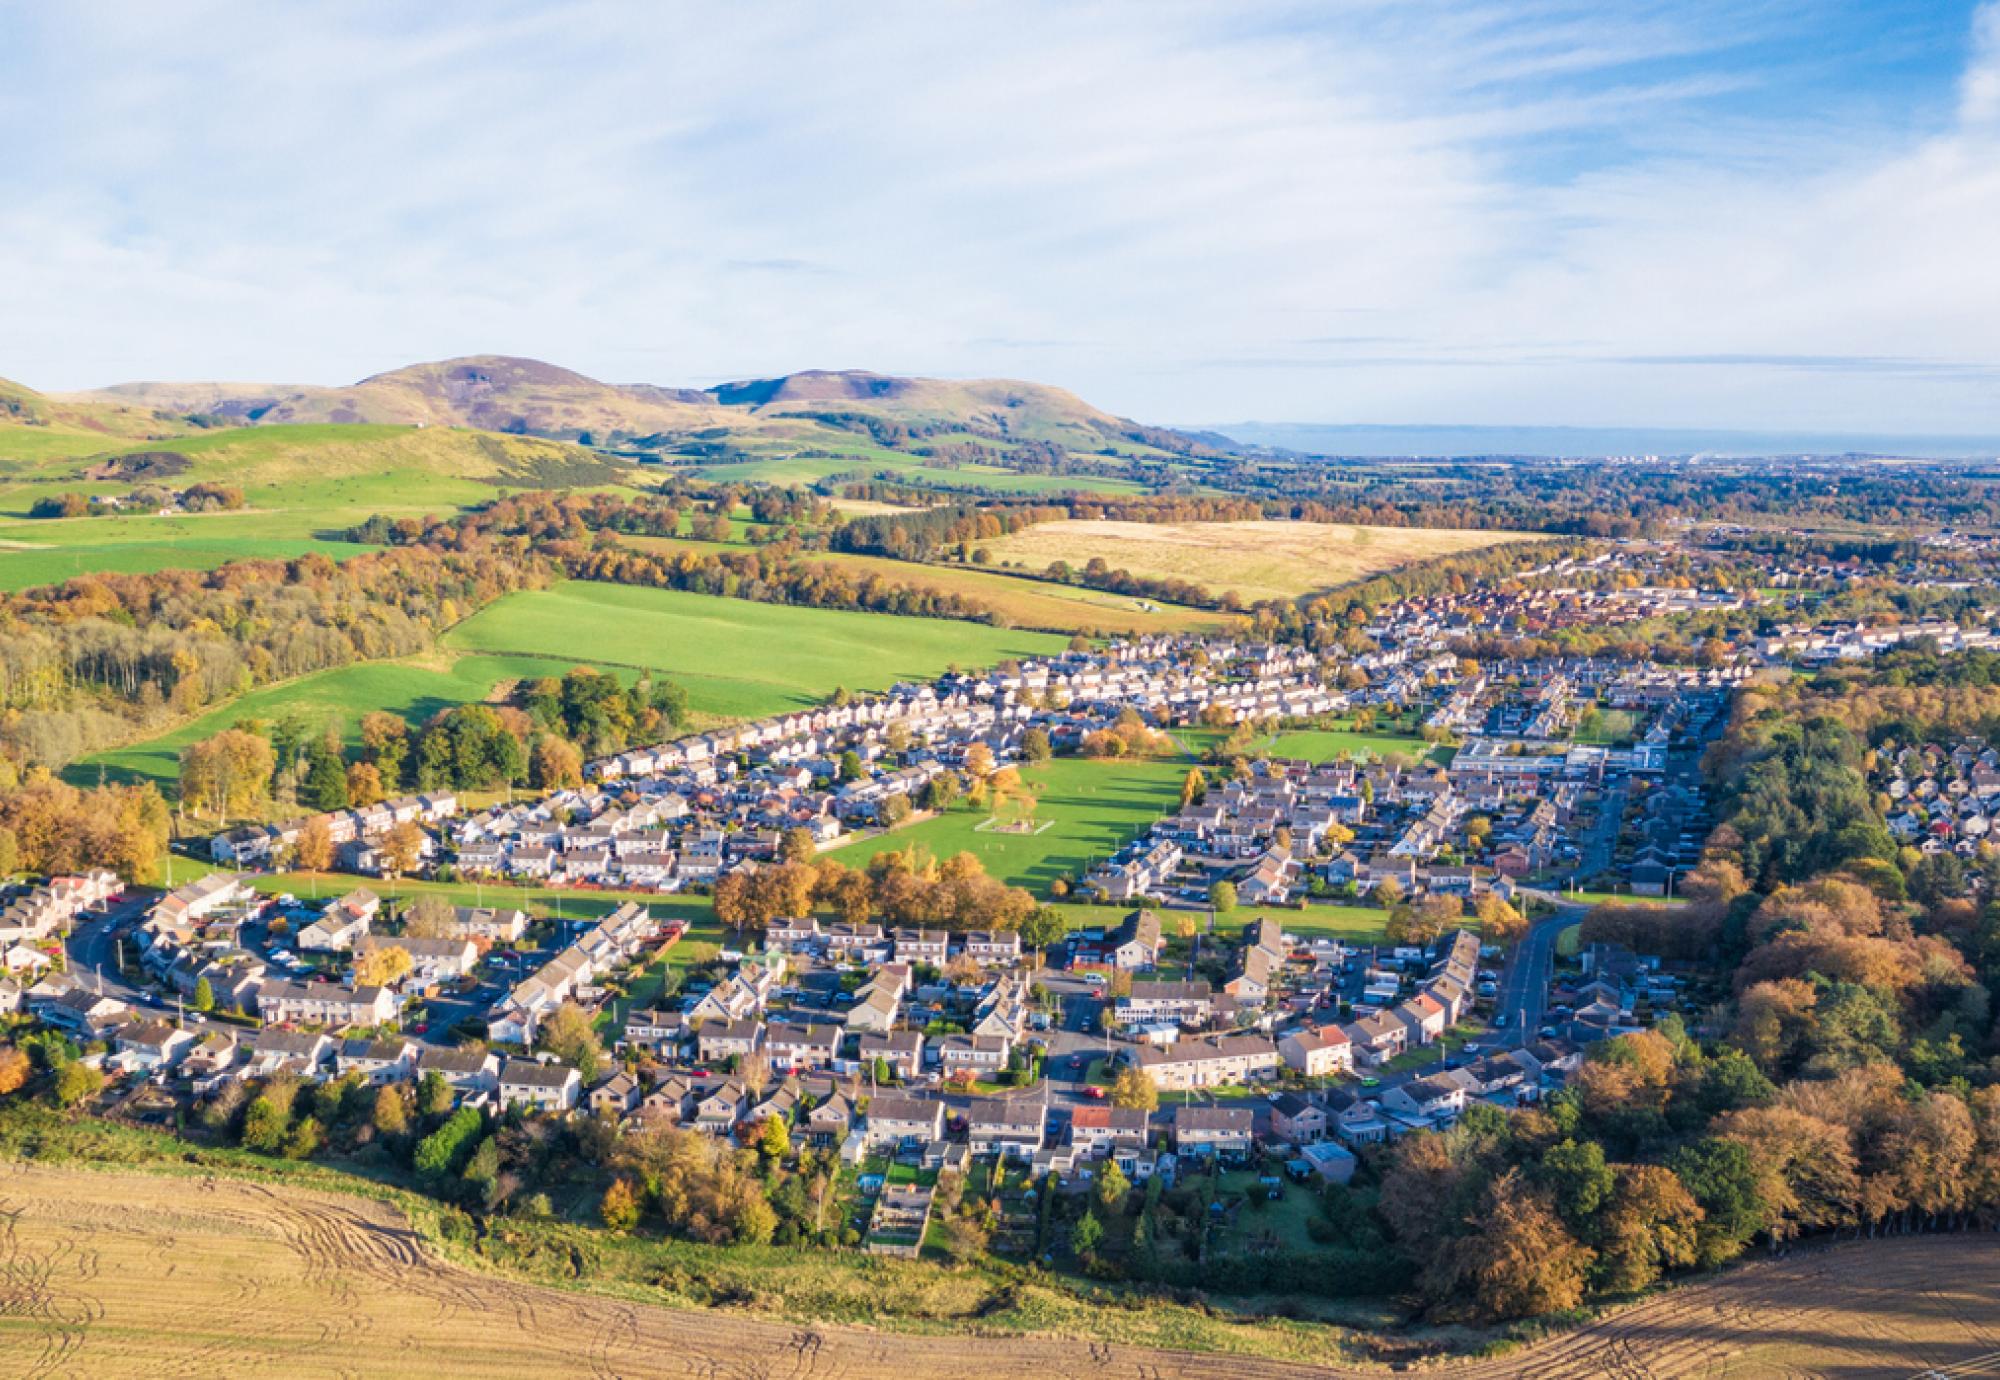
1090,809
415,689
1030,603
786,657
303,486
342,1282
802,655
1256,560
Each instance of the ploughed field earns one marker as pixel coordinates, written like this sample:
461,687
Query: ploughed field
1257,560
115,1274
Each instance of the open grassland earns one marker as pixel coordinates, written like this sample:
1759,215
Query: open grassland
28,559
1091,810
303,486
823,461
218,1267
415,689
1257,560
1028,603
1020,602
737,658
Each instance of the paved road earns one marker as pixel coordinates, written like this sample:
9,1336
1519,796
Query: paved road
1524,984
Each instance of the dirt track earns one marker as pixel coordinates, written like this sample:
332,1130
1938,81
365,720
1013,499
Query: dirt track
106,1275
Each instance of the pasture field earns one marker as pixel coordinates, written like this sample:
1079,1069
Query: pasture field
825,461
175,1261
1022,602
303,486
1028,603
415,688
1091,808
28,558
1257,560
737,659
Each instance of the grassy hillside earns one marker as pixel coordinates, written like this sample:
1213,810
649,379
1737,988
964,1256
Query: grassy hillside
737,658
805,417
303,486
415,688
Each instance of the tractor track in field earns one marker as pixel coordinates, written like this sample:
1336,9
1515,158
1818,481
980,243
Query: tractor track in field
113,1275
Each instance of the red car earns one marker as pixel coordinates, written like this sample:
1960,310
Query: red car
1094,1093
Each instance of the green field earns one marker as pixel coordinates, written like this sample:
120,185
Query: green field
304,486
791,468
737,659
409,688
1323,745
788,657
45,553
1092,809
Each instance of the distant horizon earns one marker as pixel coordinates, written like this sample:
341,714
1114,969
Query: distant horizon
1358,440
1431,440
1771,217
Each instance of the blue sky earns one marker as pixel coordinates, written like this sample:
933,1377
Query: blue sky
1768,213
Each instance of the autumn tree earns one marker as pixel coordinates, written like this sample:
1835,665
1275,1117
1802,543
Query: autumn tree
1499,922
619,1209
402,848
364,783
315,847
430,917
1652,1225
227,774
381,967
1519,1261
1133,1087
556,764
14,1069
570,1035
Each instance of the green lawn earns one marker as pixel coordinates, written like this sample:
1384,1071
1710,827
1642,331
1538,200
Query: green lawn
737,658
1092,807
1322,745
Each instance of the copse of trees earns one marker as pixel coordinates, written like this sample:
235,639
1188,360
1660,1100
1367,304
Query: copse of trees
902,887
97,658
542,741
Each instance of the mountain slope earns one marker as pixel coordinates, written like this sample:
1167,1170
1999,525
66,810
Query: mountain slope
36,425
525,396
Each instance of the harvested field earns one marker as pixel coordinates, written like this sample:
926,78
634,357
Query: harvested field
108,1274
1258,560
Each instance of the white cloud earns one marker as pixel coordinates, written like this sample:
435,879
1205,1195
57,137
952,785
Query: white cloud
1184,211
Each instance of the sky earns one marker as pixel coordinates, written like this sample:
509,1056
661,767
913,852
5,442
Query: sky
1754,214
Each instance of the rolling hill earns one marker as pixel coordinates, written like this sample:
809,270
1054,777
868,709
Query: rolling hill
528,397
